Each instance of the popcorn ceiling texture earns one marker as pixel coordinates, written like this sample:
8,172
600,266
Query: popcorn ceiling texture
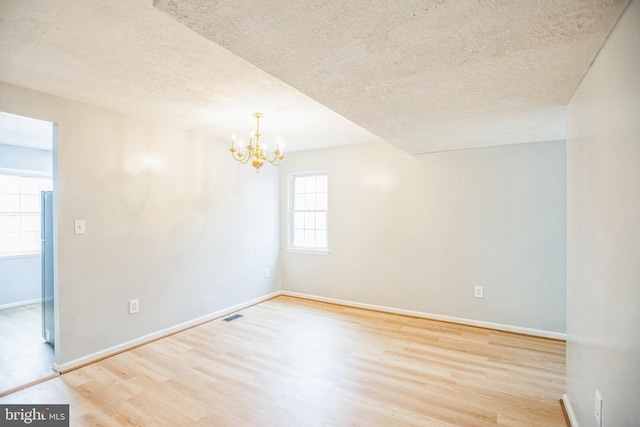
127,56
423,75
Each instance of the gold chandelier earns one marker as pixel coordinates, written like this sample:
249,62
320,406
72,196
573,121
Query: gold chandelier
257,153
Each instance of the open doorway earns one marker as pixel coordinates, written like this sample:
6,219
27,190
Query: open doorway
27,329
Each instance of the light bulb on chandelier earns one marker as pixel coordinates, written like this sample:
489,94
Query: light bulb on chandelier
256,151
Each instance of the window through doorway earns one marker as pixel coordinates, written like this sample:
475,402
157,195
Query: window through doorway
27,324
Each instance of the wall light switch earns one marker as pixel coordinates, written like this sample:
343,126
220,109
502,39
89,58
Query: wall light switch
267,273
79,226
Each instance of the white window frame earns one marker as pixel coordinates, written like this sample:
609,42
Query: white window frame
292,247
16,253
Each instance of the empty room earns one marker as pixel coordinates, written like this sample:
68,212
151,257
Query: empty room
320,213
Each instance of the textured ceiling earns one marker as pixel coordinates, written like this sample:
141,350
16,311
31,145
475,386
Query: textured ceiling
128,56
426,75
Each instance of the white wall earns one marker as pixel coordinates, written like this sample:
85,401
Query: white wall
603,270
418,232
171,219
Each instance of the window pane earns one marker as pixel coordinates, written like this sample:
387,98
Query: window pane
309,238
310,201
20,203
31,223
29,185
321,201
9,203
311,184
9,241
9,223
321,221
309,220
321,238
9,184
308,214
322,184
30,240
30,203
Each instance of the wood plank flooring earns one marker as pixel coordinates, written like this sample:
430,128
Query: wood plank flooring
24,356
295,362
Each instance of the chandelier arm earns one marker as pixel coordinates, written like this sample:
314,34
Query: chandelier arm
276,161
242,158
277,158
245,159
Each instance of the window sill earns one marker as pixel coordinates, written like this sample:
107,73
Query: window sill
308,251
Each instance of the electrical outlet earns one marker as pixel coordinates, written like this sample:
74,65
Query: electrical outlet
478,291
598,409
267,273
134,306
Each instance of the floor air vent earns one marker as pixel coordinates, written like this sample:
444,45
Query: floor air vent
230,318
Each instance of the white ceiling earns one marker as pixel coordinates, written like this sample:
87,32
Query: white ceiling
426,75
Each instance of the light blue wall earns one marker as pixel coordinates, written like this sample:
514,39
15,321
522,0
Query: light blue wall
25,159
419,232
19,279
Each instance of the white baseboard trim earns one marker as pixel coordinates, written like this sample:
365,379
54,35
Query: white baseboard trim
451,319
93,357
19,303
111,351
572,415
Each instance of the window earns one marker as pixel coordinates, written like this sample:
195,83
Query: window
20,212
308,211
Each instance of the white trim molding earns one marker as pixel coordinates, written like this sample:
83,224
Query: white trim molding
112,351
20,303
470,322
567,407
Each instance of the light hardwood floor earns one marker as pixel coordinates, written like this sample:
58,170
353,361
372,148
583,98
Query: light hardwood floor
294,362
24,356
